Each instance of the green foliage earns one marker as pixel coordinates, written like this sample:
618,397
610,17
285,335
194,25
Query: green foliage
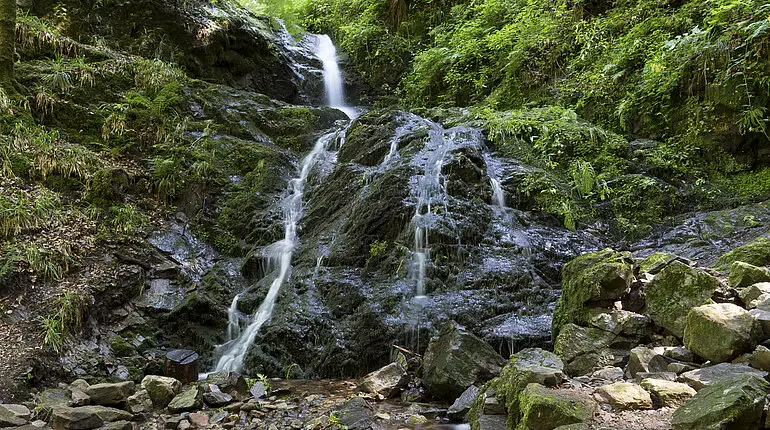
21,212
47,153
127,219
66,318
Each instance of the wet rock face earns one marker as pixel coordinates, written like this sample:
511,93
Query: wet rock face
354,272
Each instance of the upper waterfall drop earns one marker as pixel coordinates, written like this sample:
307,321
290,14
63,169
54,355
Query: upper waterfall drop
333,82
232,354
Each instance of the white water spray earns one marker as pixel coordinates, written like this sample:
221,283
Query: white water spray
333,82
279,254
498,198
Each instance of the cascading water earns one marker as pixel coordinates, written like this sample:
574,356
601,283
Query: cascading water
279,254
333,82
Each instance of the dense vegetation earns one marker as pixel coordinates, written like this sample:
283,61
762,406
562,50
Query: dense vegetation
569,78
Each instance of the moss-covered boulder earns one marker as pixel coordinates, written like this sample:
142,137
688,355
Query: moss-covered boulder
544,408
720,332
756,253
591,280
531,365
674,291
161,389
657,261
744,274
710,375
735,403
456,360
585,349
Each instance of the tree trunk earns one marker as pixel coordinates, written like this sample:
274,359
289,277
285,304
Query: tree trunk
7,42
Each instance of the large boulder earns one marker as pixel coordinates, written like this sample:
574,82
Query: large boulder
711,375
674,291
462,405
13,415
186,401
66,418
591,280
140,402
544,408
456,360
585,349
763,318
720,332
624,396
667,393
532,365
743,274
733,403
161,389
110,394
386,381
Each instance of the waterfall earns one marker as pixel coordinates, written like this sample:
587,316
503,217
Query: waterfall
279,254
333,82
430,190
497,193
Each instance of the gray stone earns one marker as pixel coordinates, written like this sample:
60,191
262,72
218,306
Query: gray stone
232,383
110,394
646,360
743,274
674,291
64,417
258,390
679,353
217,399
107,414
79,398
752,292
622,322
720,332
679,367
118,425
187,400
585,349
50,399
760,358
161,389
492,422
608,373
356,414
462,404
456,360
385,382
707,376
763,318
733,403
624,396
140,402
666,376
13,415
668,393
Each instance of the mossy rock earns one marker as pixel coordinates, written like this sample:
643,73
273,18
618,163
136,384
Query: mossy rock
720,332
744,274
674,291
545,408
122,348
531,365
585,349
756,253
735,403
591,278
656,262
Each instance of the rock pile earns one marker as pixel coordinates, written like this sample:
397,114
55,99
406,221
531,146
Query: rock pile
659,335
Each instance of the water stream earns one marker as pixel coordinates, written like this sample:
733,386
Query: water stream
279,254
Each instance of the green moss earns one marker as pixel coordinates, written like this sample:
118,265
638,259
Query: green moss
542,407
756,253
655,262
674,291
591,278
122,348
